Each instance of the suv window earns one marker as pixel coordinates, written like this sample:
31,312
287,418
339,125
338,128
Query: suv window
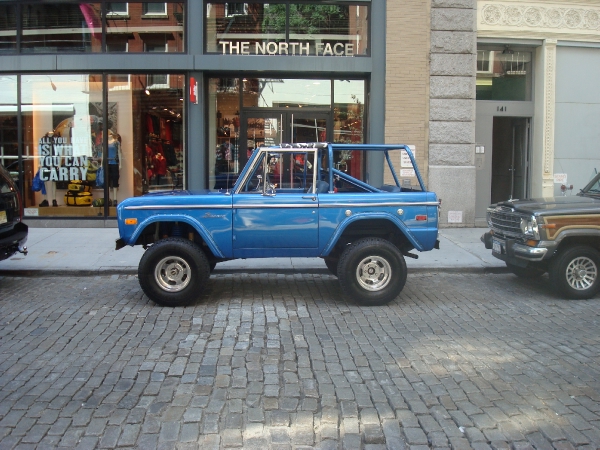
284,171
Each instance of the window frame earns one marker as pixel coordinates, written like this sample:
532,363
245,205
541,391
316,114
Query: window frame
161,14
120,14
234,14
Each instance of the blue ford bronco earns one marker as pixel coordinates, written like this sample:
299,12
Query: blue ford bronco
292,200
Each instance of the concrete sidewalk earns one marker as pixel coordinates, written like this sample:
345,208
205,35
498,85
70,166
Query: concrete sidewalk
90,251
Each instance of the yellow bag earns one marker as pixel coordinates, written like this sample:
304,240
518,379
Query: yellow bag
80,186
78,198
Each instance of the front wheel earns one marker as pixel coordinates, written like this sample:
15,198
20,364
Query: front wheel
575,272
372,271
173,272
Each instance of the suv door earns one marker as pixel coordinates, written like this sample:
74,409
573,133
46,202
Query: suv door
273,212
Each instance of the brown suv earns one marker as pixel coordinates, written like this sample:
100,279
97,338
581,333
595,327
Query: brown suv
558,235
13,232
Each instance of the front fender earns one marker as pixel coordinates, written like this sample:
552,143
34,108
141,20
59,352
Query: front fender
198,226
363,216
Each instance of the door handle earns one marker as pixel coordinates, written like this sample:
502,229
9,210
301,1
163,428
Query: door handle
312,197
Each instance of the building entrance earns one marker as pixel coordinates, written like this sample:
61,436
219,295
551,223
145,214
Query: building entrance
245,113
510,158
502,155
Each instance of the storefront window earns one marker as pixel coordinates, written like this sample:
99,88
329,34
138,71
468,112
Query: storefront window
8,28
348,111
275,111
287,29
504,75
156,114
137,27
61,27
62,116
91,154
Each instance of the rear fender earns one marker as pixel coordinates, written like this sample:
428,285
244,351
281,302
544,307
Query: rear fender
201,229
364,216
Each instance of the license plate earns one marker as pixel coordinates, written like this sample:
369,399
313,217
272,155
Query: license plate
497,247
3,217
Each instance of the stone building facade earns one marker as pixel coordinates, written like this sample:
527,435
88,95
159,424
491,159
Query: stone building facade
430,96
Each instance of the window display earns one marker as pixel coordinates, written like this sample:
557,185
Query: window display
87,155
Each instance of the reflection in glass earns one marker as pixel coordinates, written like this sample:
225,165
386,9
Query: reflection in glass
9,150
137,27
329,28
504,75
61,27
311,29
308,130
8,28
272,92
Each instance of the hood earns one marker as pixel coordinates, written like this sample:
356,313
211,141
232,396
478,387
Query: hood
554,205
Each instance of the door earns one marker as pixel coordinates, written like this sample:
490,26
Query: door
273,214
510,158
503,154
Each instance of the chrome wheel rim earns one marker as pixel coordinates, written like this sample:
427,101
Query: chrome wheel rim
373,273
172,274
581,273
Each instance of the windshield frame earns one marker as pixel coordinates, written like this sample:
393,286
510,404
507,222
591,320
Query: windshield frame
588,189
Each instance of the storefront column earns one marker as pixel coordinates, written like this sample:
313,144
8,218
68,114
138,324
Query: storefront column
377,95
196,137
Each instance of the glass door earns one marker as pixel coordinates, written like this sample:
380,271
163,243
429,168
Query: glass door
268,128
307,127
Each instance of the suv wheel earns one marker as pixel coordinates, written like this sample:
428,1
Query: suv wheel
173,272
372,271
525,272
575,272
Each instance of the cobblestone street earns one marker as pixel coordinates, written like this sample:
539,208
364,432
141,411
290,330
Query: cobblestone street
281,362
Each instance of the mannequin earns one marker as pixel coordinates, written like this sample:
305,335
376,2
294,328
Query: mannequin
49,186
160,167
50,194
114,163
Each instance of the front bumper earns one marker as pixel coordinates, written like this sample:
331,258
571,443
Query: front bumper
514,252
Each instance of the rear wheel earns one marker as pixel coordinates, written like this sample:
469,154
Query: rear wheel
525,272
575,272
372,271
173,272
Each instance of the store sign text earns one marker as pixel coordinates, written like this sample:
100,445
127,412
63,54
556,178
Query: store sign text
286,48
57,162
